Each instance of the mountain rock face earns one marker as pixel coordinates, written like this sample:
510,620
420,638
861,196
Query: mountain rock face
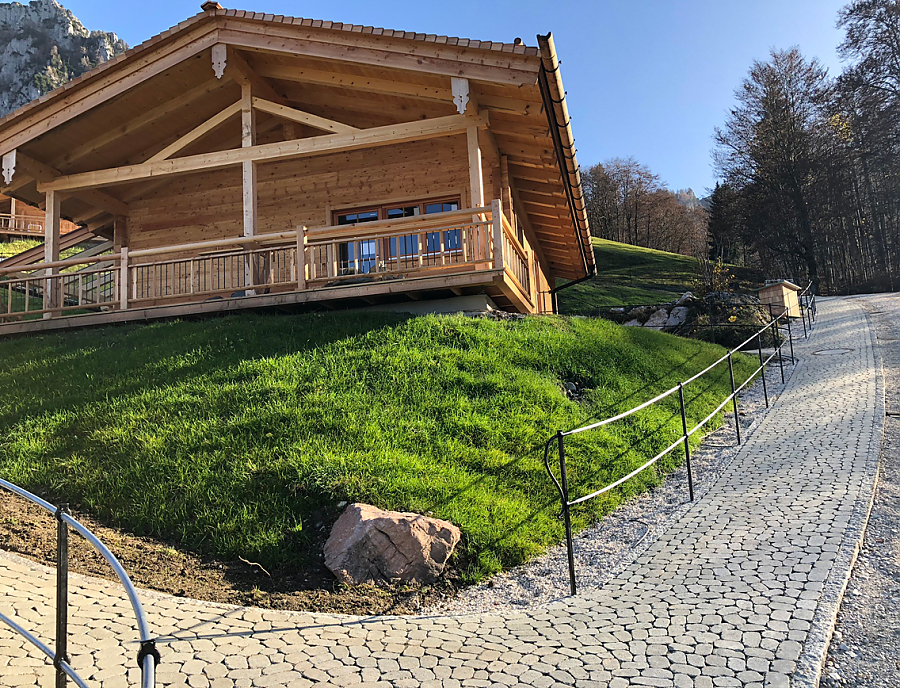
42,46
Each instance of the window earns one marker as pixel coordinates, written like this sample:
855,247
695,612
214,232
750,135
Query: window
362,257
452,238
357,257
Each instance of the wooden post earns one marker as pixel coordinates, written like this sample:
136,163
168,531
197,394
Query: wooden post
476,177
497,219
301,258
123,279
120,233
51,251
248,176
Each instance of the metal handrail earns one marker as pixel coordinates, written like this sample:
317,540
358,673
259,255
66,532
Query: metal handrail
148,655
808,314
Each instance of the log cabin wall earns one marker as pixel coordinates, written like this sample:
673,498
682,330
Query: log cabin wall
304,192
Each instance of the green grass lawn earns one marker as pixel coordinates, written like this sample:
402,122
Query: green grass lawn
631,275
12,248
240,435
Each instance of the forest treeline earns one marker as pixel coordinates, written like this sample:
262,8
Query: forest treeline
626,202
809,166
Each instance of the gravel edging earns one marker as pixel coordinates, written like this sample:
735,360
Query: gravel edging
605,550
815,648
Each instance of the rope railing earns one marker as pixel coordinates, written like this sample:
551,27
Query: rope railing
807,306
147,656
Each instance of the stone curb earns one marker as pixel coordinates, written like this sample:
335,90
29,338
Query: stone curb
815,648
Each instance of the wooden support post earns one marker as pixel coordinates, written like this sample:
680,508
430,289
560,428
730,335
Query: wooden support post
120,233
476,177
301,258
497,219
248,175
123,279
51,250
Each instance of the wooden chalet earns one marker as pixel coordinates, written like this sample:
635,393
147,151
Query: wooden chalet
242,160
19,220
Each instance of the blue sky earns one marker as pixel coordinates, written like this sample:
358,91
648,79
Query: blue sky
645,78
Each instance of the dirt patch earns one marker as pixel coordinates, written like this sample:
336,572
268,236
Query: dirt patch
29,531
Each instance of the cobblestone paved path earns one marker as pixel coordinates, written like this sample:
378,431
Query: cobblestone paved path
740,591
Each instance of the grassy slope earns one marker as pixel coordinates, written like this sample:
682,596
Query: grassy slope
12,248
634,276
631,275
239,435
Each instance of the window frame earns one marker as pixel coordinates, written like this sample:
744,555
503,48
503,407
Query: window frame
390,245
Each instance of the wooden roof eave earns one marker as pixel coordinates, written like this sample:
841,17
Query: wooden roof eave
564,144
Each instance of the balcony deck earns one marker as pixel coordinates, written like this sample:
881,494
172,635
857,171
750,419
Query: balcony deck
461,252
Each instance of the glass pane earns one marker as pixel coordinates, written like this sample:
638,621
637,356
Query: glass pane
441,207
433,242
367,255
405,211
453,240
353,218
408,244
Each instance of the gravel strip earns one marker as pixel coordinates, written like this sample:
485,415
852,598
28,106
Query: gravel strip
864,646
604,550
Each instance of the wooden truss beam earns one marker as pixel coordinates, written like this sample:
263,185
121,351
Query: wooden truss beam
114,82
307,118
197,132
334,143
240,71
44,174
132,125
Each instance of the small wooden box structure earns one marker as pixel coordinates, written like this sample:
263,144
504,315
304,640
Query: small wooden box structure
781,296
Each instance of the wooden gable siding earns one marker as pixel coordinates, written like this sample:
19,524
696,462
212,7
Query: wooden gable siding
303,192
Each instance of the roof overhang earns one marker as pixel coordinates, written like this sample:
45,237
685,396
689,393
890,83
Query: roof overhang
124,111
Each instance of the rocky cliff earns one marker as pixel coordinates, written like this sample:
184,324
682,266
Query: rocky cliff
42,46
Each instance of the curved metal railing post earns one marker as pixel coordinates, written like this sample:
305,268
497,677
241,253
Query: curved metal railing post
148,655
62,596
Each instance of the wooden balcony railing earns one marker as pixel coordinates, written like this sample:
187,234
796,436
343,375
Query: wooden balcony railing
21,224
474,239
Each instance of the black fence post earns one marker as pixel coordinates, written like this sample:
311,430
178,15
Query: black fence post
762,368
791,337
570,545
803,318
687,444
737,421
62,596
780,345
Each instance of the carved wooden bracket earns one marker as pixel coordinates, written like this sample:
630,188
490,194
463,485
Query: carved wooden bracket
219,56
460,93
9,166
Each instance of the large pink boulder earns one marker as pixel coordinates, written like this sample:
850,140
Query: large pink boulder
369,545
